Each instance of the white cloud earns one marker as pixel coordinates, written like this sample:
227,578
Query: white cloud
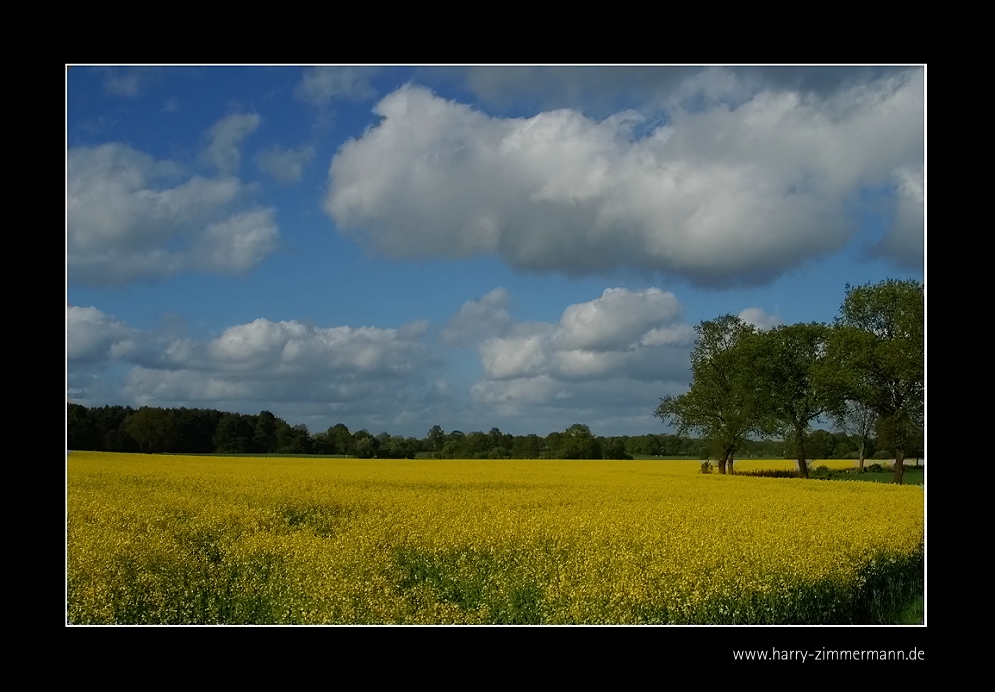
616,319
290,346
905,240
129,217
239,242
93,336
513,357
677,335
261,361
760,319
634,334
479,320
155,387
599,88
226,136
511,395
720,195
621,339
322,84
286,166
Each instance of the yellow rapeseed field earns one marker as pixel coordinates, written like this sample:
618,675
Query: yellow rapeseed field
185,539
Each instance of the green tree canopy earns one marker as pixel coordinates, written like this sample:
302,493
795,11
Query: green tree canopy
878,356
721,404
788,365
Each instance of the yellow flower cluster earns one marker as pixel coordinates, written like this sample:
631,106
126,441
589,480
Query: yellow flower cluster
174,539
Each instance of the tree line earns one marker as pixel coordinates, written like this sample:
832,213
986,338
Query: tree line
865,372
209,431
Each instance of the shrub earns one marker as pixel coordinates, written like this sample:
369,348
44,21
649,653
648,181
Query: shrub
769,473
821,472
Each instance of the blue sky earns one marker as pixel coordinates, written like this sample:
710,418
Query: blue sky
526,248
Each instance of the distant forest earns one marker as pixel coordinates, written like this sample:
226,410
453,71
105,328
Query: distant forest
208,431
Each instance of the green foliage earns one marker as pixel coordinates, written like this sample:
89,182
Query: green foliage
472,581
878,357
788,364
576,442
153,429
722,404
822,473
770,473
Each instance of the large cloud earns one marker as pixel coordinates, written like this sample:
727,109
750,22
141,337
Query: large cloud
904,240
261,361
622,342
631,334
129,217
95,337
718,194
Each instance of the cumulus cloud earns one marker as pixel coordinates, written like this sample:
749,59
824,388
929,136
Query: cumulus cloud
623,333
760,319
904,242
513,394
621,337
289,347
94,337
719,193
239,242
479,319
616,319
225,139
513,357
600,88
260,361
130,217
323,84
286,166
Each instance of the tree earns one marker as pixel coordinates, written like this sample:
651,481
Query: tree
576,442
365,446
234,434
857,420
264,433
453,448
341,439
527,446
721,404
436,438
81,430
788,364
153,429
878,354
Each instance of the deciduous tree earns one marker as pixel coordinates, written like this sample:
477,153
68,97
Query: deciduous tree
878,353
721,404
788,364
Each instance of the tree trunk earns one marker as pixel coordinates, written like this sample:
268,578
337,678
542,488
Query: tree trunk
731,472
722,460
800,448
861,455
899,465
